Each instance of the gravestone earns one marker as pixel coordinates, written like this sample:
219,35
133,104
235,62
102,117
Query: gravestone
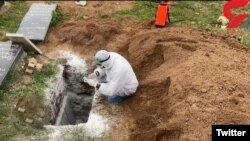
27,44
35,23
9,53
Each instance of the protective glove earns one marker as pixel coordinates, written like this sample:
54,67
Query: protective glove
97,73
84,79
91,82
92,76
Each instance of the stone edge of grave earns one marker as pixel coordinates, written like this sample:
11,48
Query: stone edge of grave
13,62
21,39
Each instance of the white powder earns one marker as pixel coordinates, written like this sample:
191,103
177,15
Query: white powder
74,61
58,133
95,127
55,84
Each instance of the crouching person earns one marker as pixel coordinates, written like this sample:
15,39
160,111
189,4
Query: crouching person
114,76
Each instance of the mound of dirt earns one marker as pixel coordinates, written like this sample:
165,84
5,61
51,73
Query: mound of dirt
86,37
189,79
89,35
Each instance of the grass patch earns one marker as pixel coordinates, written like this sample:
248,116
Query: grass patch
10,20
39,82
59,16
16,129
5,109
201,14
186,12
244,38
142,11
7,84
5,92
97,5
6,132
104,16
12,121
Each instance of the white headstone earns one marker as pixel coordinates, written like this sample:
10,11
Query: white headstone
8,56
35,23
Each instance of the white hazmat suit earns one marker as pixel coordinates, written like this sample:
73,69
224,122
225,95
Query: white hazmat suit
120,79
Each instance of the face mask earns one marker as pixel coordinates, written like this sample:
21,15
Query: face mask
102,63
97,61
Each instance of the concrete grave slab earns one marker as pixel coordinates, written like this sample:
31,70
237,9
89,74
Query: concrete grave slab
35,23
21,39
9,53
65,116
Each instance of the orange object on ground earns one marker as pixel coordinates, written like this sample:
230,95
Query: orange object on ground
162,15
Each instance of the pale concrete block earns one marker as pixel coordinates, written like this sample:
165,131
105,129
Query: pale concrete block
29,120
39,66
29,71
31,65
42,114
85,17
32,60
40,119
22,110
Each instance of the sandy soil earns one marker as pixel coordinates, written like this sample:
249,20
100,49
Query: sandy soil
94,8
189,79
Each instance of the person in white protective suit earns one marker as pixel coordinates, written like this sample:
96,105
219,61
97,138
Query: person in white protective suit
114,76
